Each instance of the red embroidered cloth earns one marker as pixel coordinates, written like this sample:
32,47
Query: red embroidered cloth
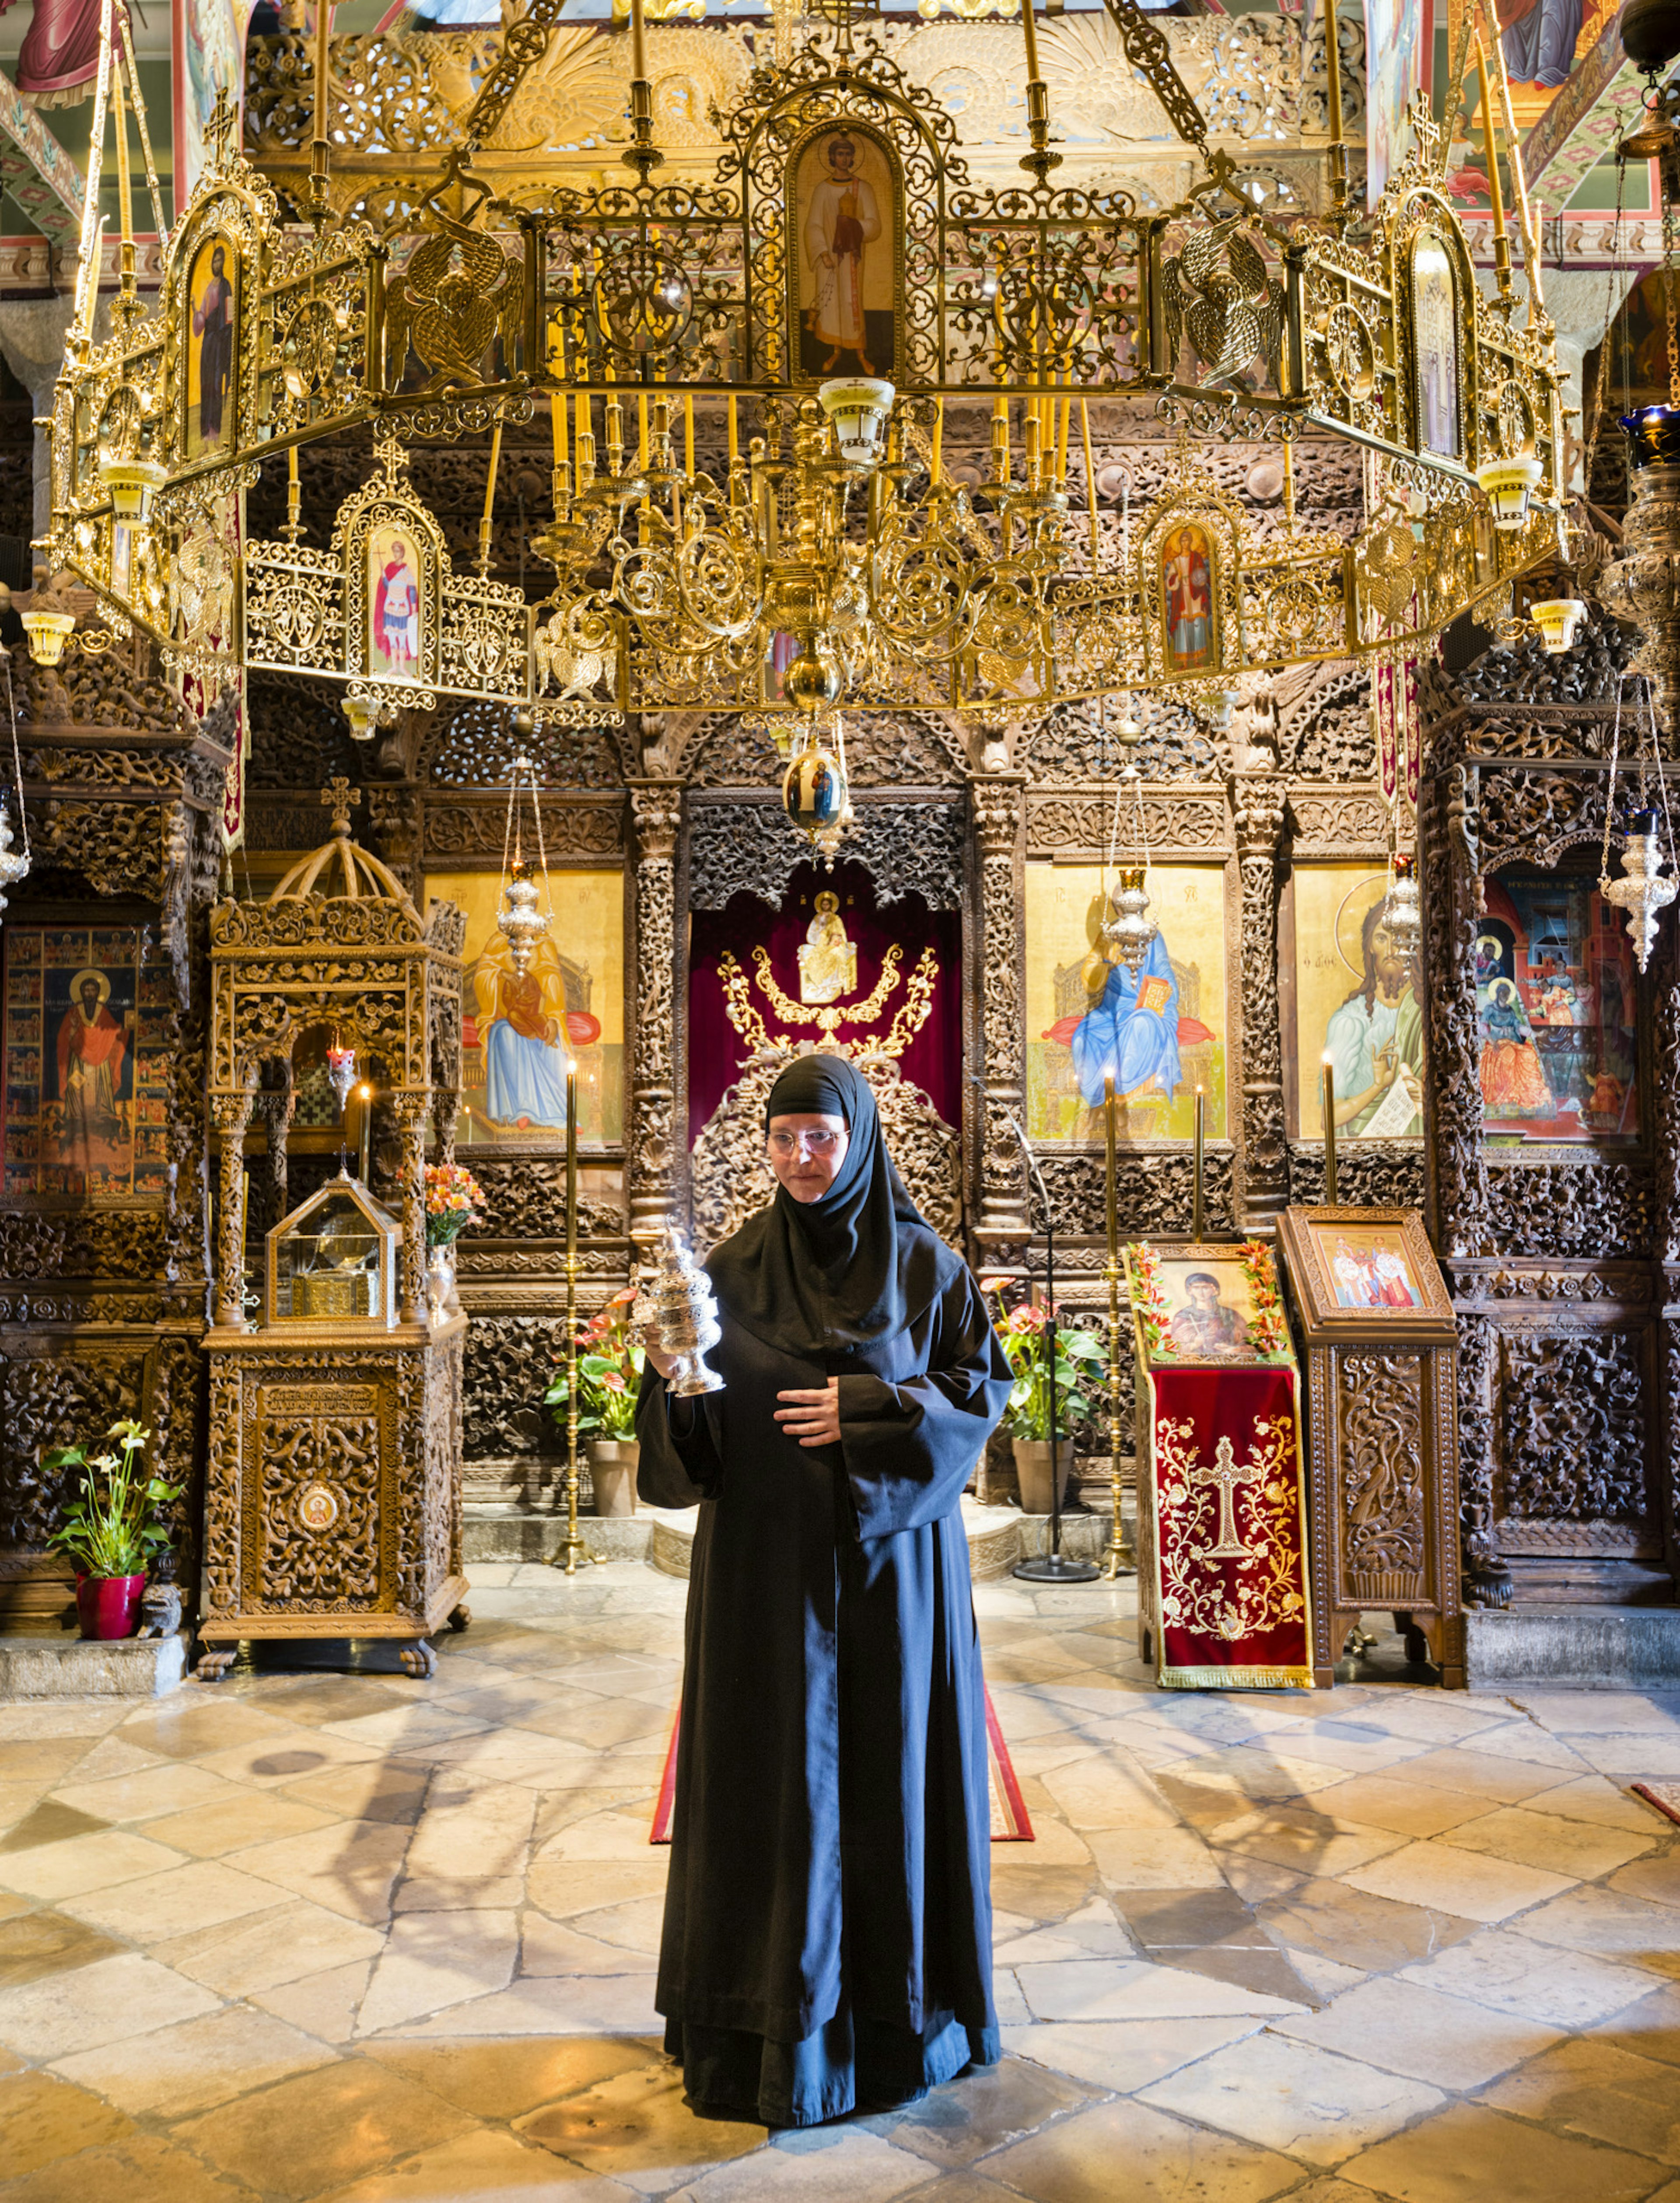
1224,1570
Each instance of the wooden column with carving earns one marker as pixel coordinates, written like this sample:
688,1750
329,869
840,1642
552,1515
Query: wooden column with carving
656,807
1665,1238
999,802
411,1107
1256,811
231,1114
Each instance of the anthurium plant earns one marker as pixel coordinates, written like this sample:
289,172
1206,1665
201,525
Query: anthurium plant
609,1373
114,1528
1080,1365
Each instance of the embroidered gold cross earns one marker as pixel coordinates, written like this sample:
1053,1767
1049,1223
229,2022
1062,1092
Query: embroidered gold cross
1227,1476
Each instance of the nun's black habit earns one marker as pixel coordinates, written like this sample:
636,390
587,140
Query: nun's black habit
827,1937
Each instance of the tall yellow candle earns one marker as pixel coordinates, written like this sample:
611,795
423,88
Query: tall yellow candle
1329,1133
938,437
689,434
734,431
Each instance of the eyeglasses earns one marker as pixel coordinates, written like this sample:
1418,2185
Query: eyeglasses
815,1144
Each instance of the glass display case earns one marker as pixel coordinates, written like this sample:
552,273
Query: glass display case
334,1259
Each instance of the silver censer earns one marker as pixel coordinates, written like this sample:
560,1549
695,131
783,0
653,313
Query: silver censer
679,1305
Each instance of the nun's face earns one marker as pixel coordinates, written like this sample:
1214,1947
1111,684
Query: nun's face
806,1152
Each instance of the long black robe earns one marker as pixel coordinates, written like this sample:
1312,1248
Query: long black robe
828,1925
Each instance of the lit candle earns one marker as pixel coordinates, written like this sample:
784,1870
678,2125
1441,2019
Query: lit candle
734,433
244,1205
1195,1192
364,1095
689,434
572,1160
938,439
1329,1133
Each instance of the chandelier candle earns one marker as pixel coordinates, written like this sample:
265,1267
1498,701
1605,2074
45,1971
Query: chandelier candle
573,1548
1116,1560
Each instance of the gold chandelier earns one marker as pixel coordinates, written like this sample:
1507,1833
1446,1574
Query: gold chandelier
815,550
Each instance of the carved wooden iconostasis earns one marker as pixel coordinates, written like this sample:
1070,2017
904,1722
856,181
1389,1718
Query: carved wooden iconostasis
668,852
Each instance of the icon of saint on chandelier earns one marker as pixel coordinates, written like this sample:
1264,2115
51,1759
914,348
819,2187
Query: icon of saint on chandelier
396,594
1435,340
845,254
211,346
1187,600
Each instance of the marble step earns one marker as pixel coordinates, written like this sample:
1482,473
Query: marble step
69,1667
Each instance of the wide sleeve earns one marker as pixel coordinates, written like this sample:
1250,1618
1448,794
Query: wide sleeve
910,1447
679,1463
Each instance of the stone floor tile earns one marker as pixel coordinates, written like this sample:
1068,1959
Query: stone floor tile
171,1787
1126,2149
1658,1879
555,1885
394,1790
1611,1924
1262,1775
1352,1928
569,2004
1467,1883
281,1757
93,2004
349,1868
315,1700
980,2111
481,2164
338,2124
1479,1773
1531,1835
1294,2096
174,2072
1302,1839
1631,1758
1602,1713
503,2080
1407,2028
634,2126
241,1956
44,2118
140,2168
48,1820
1094,1932
1097,1989
1153,1858
45,1759
405,1729
201,1894
1514,1973
1650,2027
324,2005
1468,2153
550,1946
1097,1791
820,2165
53,1871
1606,1804
600,1722
1602,2094
1124,2055
1396,1803
86,1717
191,1726
33,1944
434,1960
247,1818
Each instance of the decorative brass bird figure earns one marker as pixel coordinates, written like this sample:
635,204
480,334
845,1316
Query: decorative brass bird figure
1218,289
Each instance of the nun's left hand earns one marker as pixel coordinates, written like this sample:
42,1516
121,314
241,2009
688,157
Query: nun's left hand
812,1417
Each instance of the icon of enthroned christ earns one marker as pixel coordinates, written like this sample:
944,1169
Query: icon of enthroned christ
842,221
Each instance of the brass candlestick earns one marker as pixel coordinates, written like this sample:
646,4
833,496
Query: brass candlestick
1329,1134
573,1547
1117,1558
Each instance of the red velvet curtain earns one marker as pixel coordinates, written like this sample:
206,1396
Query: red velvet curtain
718,1053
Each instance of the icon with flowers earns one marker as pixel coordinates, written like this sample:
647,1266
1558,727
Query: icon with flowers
1081,1364
609,1373
453,1199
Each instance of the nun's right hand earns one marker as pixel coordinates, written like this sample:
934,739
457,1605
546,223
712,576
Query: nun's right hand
665,1363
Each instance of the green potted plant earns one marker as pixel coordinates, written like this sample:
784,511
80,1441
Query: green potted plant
1081,1366
609,1376
112,1530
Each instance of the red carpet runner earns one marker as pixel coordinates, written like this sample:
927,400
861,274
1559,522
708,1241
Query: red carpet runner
1009,1823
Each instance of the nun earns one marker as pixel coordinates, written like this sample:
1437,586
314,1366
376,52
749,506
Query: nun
827,1937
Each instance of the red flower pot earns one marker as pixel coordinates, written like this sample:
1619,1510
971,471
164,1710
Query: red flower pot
109,1606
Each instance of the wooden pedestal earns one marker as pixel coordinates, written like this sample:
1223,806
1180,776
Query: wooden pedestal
333,1508
1382,1438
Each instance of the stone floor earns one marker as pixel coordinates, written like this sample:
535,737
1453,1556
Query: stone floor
310,1935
